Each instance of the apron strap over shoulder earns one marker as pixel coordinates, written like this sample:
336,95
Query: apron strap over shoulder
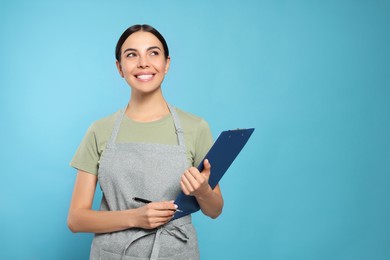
116,127
177,123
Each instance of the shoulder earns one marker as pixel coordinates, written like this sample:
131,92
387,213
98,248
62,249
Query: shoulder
101,129
191,122
198,136
104,125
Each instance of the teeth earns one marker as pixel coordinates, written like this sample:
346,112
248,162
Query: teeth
149,76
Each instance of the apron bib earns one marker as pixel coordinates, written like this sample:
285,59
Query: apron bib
150,171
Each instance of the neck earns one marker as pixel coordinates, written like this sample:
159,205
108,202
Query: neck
147,108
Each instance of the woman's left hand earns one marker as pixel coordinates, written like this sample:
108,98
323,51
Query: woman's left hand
196,183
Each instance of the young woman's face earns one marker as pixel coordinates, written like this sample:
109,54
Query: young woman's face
143,64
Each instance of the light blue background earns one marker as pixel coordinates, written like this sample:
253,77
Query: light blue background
311,76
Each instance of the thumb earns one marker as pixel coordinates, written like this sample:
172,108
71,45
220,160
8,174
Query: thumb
207,167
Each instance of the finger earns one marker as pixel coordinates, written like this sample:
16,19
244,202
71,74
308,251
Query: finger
187,184
207,167
191,182
200,178
163,205
158,222
164,216
196,174
161,219
159,214
190,176
169,205
184,188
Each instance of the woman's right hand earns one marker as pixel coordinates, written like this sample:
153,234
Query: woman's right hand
154,214
82,218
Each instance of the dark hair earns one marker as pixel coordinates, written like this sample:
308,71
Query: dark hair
136,28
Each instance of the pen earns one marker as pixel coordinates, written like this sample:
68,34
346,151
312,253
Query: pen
148,201
141,200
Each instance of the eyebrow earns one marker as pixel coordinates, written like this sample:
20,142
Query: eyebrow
148,49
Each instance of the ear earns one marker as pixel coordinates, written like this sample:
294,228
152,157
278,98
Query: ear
167,64
119,67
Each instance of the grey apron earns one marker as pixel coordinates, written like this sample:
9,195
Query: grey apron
150,171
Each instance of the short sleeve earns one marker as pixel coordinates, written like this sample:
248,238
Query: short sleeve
203,142
87,155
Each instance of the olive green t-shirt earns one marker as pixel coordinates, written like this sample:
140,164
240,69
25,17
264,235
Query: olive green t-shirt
197,137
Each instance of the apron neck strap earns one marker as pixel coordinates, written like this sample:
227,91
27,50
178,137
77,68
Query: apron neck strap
115,130
176,122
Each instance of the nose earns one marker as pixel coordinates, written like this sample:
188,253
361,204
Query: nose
143,62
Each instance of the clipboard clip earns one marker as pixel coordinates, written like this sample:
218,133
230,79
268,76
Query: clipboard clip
239,129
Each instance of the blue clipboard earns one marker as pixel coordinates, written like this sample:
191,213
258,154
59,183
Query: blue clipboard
221,155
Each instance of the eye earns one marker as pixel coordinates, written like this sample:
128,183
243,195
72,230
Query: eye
154,53
131,54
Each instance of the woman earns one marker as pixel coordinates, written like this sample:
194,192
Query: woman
147,150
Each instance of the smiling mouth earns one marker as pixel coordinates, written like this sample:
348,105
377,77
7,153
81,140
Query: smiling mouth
144,76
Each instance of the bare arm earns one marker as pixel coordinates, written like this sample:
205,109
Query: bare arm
196,184
82,218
